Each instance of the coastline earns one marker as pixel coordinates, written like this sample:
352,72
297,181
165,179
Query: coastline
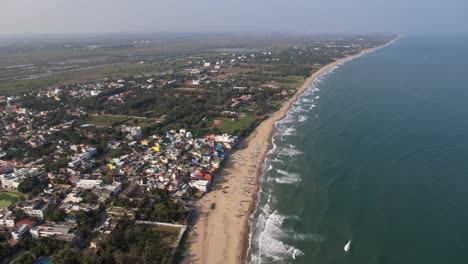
222,235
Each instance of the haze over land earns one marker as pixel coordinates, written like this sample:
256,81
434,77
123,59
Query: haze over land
118,16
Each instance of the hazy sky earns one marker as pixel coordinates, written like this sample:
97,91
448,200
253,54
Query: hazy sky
75,16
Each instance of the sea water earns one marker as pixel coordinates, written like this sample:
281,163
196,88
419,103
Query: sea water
376,152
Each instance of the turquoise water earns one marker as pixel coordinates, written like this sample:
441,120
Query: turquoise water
44,261
375,152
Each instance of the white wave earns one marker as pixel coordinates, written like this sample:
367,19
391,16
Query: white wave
297,103
302,118
302,110
317,97
314,237
289,152
290,131
277,160
288,177
270,245
287,120
312,107
307,100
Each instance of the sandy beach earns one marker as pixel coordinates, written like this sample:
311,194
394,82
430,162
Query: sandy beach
221,235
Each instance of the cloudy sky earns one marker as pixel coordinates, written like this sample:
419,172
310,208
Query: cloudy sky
87,16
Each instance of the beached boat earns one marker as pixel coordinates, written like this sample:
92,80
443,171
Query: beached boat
347,247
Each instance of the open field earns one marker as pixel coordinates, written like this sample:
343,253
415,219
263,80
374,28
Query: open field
7,198
231,127
89,74
116,120
47,64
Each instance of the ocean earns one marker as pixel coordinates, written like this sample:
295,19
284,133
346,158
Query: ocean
376,152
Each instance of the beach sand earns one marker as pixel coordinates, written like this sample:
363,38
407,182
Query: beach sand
221,235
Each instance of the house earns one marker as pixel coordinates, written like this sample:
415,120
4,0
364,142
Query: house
114,188
121,212
11,180
129,190
99,240
61,232
134,133
5,167
20,232
6,219
35,208
88,184
202,185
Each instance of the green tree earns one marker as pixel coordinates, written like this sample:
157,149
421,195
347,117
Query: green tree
55,215
27,258
64,256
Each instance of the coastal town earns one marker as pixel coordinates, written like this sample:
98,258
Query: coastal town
121,169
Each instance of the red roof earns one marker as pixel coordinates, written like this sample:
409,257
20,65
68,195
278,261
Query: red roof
30,223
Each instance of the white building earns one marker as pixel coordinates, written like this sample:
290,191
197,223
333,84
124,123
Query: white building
88,184
6,221
115,187
225,138
20,232
134,132
58,231
201,185
35,208
74,163
10,180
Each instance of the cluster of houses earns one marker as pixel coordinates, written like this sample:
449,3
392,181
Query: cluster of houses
177,161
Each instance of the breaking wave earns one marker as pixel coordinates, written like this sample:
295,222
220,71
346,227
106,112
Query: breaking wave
272,238
288,177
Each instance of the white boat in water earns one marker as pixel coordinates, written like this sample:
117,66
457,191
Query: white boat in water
347,247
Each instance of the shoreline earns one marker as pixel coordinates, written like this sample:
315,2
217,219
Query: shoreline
222,235
282,113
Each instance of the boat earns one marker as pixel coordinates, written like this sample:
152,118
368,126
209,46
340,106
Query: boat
347,247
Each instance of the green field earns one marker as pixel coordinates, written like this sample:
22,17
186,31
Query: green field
116,120
7,198
235,127
81,75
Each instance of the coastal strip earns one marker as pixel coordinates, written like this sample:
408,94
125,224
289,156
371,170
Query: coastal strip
221,233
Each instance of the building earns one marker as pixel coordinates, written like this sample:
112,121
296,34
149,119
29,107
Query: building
115,187
35,208
134,133
88,184
201,185
20,232
87,154
5,167
6,220
98,241
61,232
10,180
74,163
120,212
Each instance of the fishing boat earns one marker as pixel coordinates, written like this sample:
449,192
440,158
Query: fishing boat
347,247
